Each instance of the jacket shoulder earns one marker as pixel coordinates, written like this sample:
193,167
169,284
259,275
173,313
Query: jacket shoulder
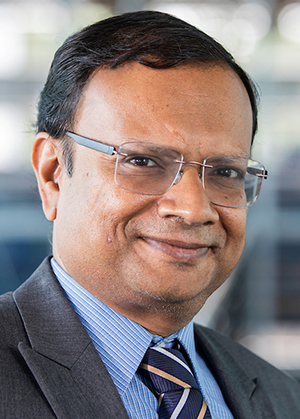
219,349
11,323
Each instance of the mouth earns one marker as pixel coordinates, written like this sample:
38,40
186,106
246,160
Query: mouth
182,251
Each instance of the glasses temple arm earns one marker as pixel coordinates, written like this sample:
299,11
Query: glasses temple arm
95,145
257,172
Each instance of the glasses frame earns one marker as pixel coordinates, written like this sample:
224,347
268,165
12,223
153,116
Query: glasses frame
111,150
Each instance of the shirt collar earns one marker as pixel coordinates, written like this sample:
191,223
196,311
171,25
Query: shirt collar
120,342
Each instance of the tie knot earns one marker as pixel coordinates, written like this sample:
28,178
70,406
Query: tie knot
167,370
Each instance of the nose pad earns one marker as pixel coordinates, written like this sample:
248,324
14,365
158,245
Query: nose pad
178,178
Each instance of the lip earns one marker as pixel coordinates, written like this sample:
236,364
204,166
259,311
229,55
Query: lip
183,251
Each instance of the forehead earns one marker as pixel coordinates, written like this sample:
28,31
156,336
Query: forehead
177,106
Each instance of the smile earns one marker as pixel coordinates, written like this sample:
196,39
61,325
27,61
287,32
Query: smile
186,252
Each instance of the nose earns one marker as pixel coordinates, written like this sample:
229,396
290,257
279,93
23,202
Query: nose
188,200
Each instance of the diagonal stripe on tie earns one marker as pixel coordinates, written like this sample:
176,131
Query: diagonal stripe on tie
165,375
174,384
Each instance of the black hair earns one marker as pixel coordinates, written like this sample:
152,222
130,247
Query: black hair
154,39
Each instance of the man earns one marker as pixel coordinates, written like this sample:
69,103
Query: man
145,128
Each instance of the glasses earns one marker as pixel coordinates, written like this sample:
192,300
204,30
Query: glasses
152,169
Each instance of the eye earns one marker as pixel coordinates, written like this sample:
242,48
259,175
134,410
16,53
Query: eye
229,172
141,161
226,176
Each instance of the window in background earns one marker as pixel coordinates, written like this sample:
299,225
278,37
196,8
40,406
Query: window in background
30,32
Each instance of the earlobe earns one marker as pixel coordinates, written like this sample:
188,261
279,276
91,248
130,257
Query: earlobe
46,164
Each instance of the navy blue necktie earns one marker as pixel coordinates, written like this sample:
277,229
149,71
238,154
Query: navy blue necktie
174,384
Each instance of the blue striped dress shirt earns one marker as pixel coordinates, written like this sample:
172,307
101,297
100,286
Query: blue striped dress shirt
122,343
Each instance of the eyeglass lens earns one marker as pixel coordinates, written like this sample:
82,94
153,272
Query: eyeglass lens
231,182
152,169
146,168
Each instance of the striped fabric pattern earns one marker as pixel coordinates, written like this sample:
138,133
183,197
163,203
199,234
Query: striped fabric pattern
172,380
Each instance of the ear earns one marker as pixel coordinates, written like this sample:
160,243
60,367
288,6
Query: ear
46,164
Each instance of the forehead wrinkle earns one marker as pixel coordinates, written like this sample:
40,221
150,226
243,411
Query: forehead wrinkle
173,131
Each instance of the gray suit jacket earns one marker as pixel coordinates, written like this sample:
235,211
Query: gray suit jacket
50,368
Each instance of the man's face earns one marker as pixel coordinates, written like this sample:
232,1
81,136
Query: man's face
143,254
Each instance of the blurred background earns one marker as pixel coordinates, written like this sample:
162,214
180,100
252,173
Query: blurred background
259,305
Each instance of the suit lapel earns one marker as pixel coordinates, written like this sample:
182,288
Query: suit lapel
240,389
60,353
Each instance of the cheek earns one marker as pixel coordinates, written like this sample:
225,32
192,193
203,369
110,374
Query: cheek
234,222
107,211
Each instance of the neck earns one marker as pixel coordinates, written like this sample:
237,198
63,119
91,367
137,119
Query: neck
164,320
